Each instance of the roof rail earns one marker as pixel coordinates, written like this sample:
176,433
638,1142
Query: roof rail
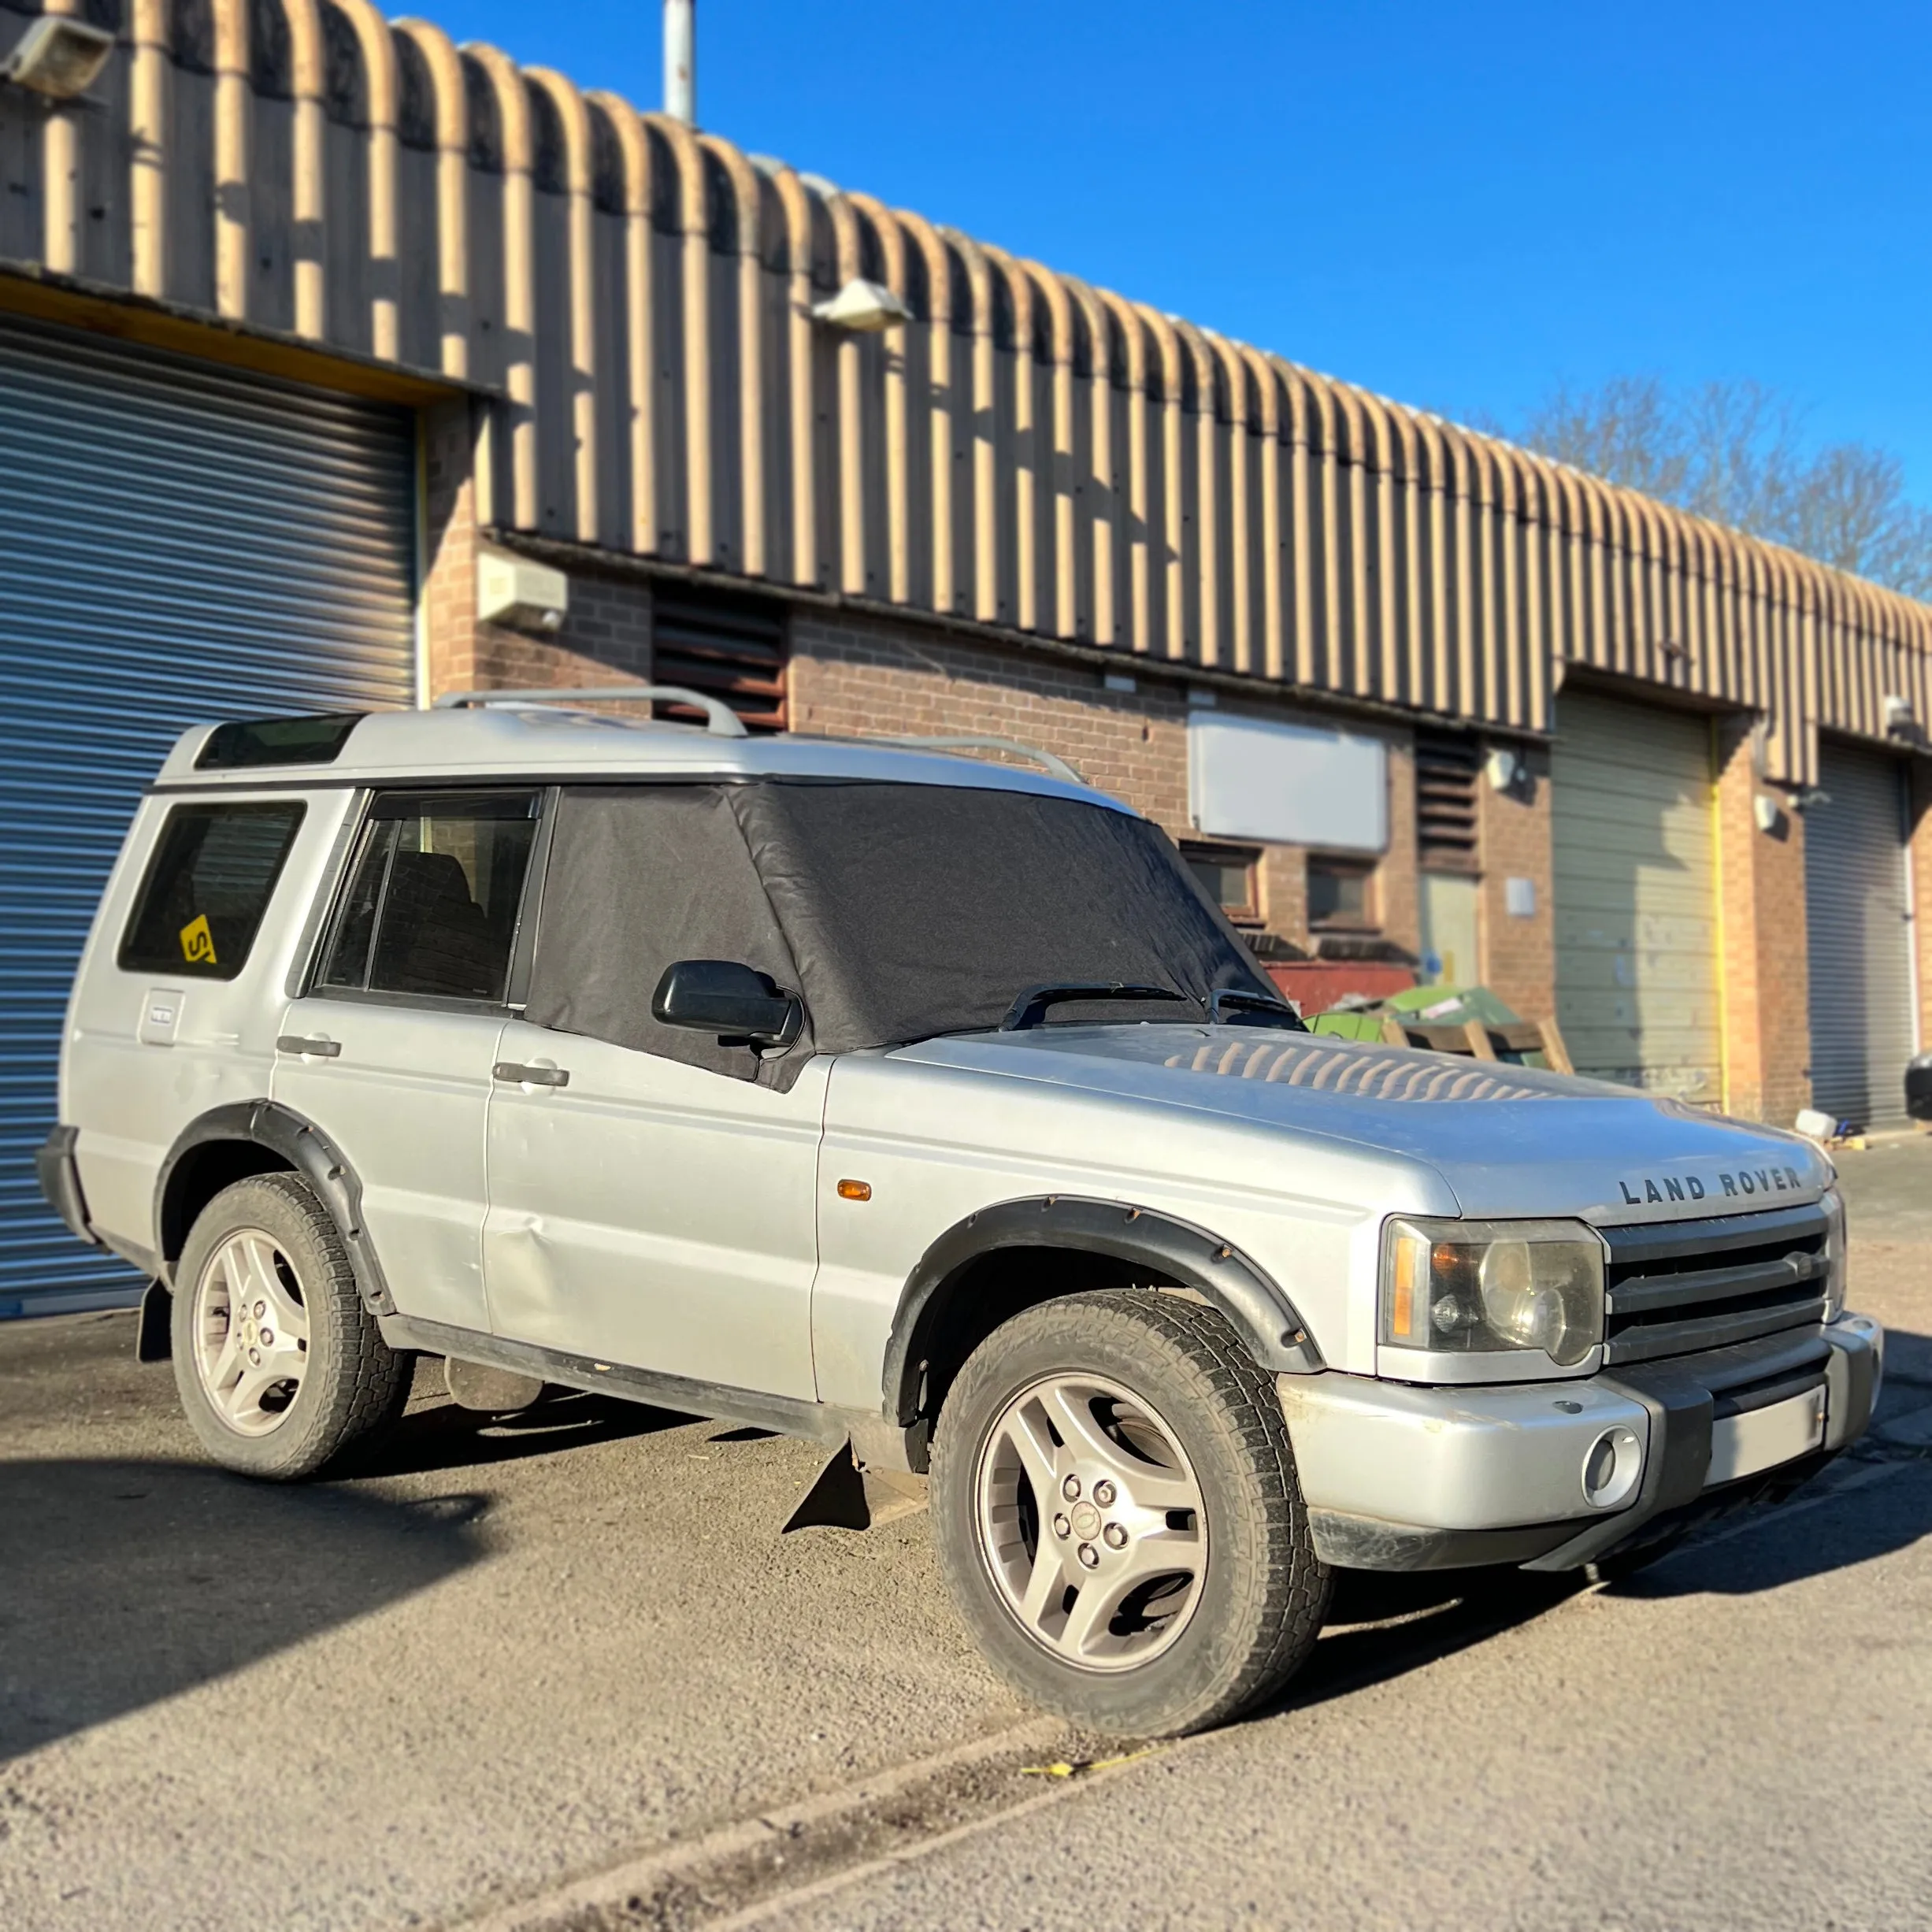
1054,766
720,720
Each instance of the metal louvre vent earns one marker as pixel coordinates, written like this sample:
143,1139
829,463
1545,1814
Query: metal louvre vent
1446,769
1686,1286
177,543
728,647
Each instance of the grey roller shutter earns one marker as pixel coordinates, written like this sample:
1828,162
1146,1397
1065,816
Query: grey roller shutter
1858,911
1636,878
177,543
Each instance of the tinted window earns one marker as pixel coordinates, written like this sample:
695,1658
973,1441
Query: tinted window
315,740
433,896
207,886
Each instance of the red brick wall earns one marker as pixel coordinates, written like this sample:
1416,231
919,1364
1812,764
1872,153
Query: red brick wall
1518,954
605,640
1762,956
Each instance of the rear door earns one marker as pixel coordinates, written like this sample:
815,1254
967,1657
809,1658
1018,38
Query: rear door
389,1050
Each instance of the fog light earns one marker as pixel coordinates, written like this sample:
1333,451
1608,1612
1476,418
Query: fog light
1612,1469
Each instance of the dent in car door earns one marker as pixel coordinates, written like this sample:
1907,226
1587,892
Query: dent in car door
653,1214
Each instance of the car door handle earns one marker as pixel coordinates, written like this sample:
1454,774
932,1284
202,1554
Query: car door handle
316,1049
513,1075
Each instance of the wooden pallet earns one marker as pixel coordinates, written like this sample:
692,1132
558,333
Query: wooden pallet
1482,1042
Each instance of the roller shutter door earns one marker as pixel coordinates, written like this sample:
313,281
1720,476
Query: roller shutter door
1636,989
1858,914
177,543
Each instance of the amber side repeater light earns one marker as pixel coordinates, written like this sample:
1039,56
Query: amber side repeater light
854,1190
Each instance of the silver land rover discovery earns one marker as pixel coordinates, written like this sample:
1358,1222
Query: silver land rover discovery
924,1106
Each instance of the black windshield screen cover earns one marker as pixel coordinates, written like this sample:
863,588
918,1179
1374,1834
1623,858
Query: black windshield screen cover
899,911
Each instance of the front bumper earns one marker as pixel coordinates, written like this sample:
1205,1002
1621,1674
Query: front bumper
1398,1477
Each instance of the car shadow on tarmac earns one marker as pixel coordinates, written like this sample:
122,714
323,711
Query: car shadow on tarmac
441,1435
128,1580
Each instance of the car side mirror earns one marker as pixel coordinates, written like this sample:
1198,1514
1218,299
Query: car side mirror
744,1007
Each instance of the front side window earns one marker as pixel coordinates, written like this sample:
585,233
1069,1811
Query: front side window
433,897
207,885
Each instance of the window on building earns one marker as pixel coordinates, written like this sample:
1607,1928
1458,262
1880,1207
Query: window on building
1447,768
433,897
207,886
1341,894
1229,875
728,647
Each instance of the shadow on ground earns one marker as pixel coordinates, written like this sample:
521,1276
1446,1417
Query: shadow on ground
122,1582
446,1437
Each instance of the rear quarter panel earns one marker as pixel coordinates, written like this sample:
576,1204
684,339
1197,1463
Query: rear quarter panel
130,1100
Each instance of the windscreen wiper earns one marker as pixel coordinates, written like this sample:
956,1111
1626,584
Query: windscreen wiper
1030,1008
1265,1011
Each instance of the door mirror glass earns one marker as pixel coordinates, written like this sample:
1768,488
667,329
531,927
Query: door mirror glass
742,1007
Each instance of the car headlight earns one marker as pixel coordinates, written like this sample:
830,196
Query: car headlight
1468,1287
1835,1258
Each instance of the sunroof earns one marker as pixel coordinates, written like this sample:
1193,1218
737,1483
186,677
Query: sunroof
312,740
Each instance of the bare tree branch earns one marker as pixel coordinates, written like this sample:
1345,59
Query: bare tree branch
1736,452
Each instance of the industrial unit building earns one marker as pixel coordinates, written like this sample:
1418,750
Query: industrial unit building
308,321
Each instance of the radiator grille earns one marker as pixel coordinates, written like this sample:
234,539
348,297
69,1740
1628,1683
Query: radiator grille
1687,1286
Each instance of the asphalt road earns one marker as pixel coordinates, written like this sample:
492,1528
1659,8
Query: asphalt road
565,1674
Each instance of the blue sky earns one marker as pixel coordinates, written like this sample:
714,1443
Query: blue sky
1456,204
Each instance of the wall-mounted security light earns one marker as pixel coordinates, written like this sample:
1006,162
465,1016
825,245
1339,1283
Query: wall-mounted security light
1504,769
863,307
1766,811
1808,798
59,57
1899,715
524,595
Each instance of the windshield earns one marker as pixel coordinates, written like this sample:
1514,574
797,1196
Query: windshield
917,910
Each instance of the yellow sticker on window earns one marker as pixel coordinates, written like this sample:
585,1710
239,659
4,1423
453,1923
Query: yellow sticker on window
198,943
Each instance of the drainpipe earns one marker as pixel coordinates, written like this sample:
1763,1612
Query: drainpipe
680,61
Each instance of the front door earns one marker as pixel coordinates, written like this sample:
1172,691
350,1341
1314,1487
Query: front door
652,1214
390,1050
651,1189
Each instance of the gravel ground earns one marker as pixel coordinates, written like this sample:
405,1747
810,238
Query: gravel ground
514,1656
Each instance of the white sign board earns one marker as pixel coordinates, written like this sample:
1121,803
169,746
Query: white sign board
1296,785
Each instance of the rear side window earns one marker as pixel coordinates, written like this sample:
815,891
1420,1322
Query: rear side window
209,884
433,896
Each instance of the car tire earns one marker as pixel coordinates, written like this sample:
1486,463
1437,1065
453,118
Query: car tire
1153,1412
264,1283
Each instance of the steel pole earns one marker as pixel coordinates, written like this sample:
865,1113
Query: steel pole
680,61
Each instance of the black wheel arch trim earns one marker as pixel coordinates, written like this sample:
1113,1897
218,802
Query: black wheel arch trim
311,1152
1261,1313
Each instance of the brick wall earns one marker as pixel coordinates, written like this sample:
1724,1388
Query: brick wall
605,640
1763,956
1518,954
